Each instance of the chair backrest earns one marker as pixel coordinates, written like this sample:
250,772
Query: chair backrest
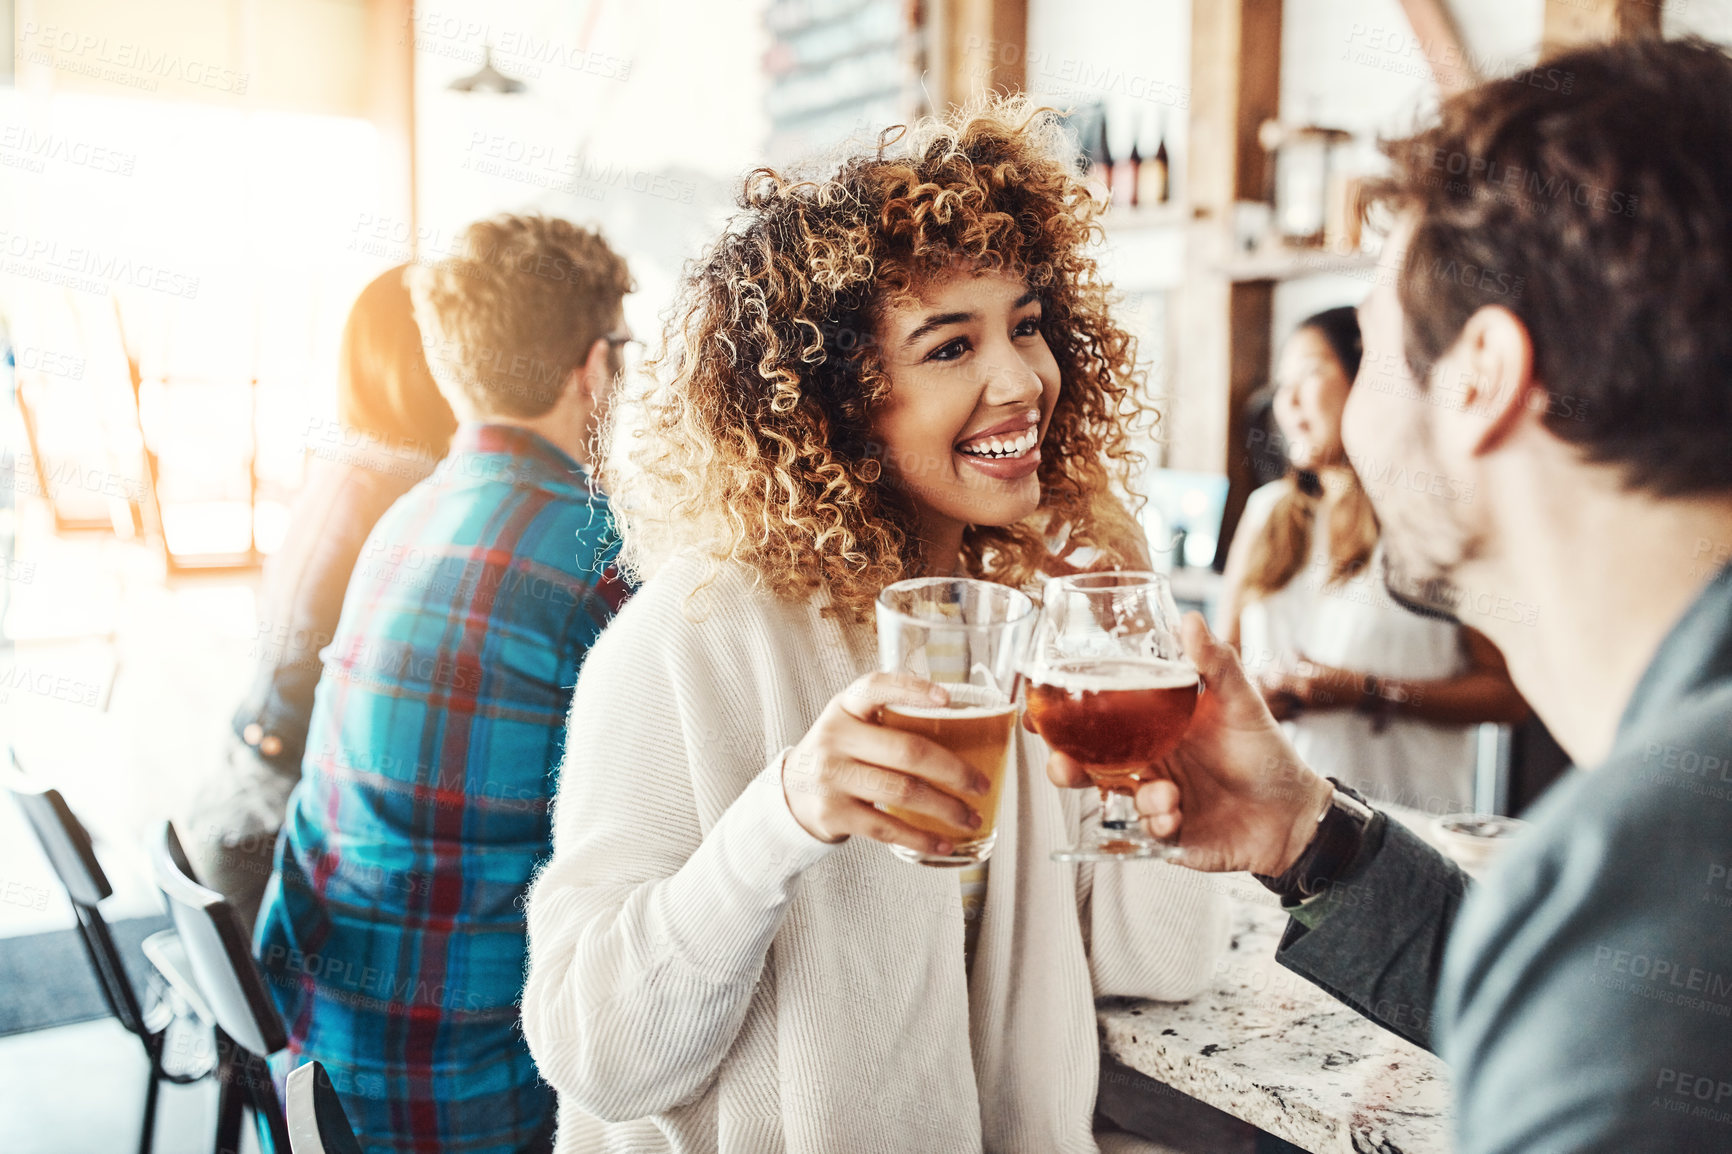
63,837
317,1122
67,845
217,949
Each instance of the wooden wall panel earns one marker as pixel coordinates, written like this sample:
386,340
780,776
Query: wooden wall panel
1571,23
1235,86
986,45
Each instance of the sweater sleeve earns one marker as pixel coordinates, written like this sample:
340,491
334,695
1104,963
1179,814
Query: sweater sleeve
647,935
1154,930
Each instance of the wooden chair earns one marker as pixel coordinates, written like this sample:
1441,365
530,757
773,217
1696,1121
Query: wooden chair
317,1123
248,1027
67,845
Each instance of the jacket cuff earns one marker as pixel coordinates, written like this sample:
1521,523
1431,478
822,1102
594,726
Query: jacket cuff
1378,945
1309,913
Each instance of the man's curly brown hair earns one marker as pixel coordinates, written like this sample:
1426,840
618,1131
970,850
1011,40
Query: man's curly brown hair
756,444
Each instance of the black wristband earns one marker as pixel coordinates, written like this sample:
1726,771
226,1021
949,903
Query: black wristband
1340,834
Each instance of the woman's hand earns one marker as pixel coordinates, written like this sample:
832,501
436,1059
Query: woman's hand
1234,794
848,764
1309,686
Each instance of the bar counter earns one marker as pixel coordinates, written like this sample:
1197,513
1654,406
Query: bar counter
1274,1050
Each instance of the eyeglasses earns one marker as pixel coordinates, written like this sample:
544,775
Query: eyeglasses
632,350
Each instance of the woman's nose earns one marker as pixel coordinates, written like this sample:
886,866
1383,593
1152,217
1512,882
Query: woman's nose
1011,380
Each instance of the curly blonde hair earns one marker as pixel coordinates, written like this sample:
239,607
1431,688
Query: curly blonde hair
755,443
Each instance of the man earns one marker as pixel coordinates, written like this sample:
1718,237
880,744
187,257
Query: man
393,927
1581,993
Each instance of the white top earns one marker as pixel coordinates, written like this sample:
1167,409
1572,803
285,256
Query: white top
1355,625
706,976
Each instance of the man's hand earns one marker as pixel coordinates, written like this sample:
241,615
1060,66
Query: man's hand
1234,794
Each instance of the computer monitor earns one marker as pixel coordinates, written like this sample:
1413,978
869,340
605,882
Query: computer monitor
1183,517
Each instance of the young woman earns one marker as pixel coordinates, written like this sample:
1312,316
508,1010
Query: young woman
906,368
1377,696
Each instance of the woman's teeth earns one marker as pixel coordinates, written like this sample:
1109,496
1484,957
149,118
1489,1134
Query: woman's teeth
1002,446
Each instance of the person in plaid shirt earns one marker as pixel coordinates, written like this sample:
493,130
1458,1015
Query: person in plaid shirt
393,928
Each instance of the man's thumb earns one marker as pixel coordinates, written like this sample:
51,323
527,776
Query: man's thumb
1214,658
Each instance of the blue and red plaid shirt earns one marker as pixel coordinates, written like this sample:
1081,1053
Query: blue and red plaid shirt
393,928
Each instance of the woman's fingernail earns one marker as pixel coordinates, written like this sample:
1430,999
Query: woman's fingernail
975,821
982,784
944,849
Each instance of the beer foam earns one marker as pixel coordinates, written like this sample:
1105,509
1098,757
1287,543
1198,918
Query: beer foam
967,701
1127,673
945,713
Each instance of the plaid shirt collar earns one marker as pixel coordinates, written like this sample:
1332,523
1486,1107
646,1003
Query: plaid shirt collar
515,441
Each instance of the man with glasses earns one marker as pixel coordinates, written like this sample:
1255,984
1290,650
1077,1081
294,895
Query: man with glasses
393,928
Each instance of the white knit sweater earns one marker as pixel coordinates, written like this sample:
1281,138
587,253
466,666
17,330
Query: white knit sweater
706,976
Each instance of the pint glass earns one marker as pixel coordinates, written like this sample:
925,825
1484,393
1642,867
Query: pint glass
966,636
1108,684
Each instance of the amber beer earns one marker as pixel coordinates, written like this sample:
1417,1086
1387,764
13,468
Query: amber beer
1117,716
977,726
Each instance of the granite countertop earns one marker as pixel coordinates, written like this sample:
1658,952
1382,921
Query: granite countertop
1267,1046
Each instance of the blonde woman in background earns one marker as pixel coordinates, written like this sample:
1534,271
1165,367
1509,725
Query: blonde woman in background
1380,697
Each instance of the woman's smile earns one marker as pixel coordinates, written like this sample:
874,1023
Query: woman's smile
1007,451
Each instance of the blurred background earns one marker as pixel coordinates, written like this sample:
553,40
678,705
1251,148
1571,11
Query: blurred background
193,192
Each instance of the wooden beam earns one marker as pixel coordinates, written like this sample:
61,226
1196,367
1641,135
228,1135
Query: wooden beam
1434,25
1235,86
1573,23
986,45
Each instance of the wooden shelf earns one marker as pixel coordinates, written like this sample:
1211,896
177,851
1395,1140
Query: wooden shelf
1173,214
1294,263
1144,252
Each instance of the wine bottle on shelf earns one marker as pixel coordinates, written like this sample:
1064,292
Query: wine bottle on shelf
1134,175
1125,174
1154,176
1103,159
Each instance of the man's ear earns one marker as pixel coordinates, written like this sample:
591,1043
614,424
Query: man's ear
1493,363
595,376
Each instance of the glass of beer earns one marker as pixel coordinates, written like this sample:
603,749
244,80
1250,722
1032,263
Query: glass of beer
966,636
1108,684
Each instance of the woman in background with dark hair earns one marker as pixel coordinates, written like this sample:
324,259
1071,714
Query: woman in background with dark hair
393,427
1377,696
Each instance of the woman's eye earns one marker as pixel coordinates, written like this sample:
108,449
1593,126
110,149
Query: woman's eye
1029,327
949,350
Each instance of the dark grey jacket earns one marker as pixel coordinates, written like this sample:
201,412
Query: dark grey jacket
1582,993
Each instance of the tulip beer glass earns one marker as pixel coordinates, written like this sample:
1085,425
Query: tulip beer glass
1108,684
966,636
